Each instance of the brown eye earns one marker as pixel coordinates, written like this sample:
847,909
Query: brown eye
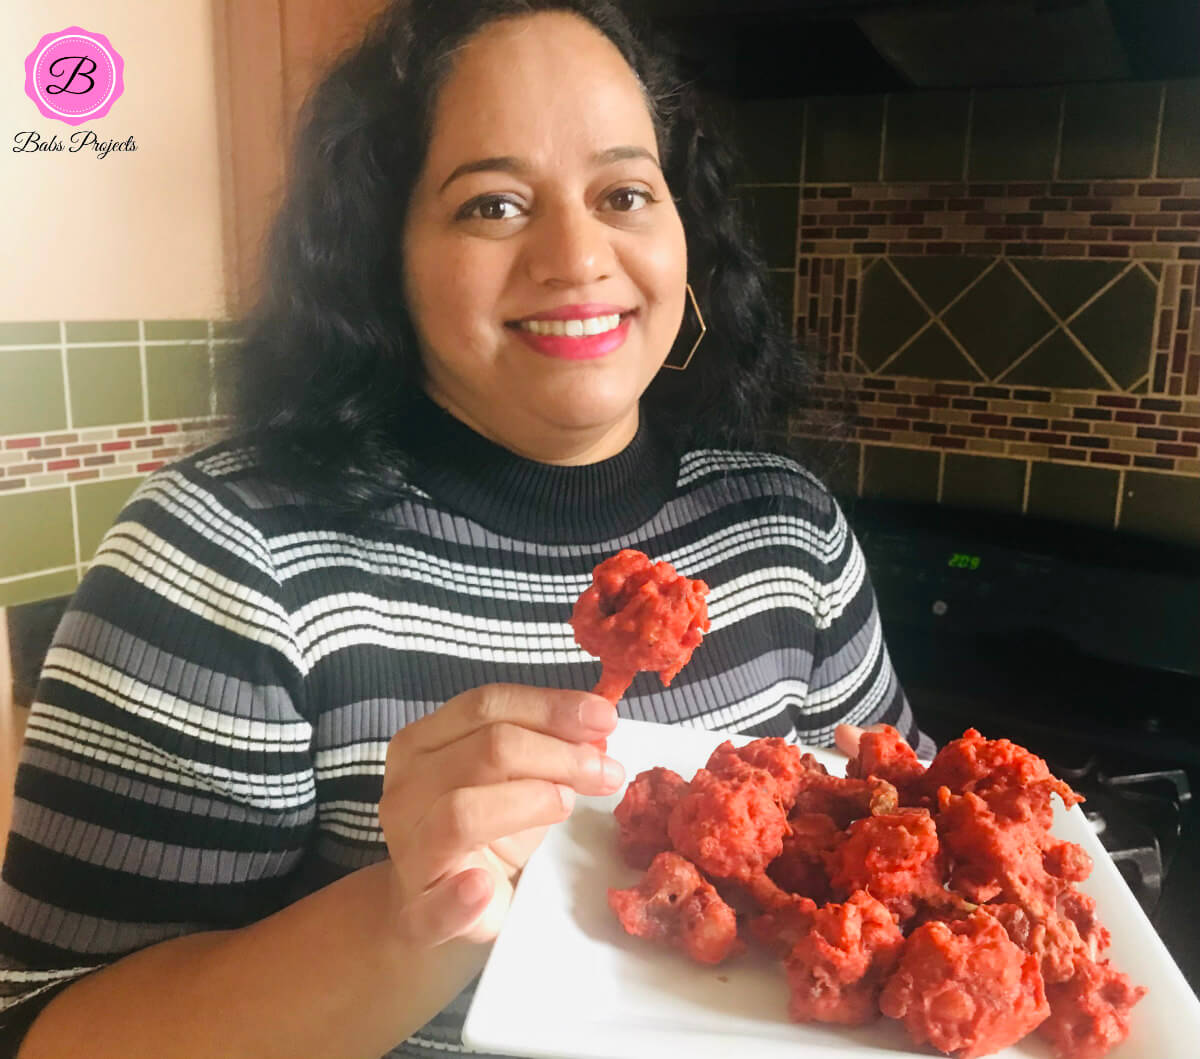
627,200
490,208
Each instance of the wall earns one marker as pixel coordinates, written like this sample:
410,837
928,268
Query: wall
110,287
137,234
1005,281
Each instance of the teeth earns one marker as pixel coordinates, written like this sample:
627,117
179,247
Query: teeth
593,325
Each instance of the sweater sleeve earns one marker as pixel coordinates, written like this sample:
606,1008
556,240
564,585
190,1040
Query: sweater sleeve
853,681
166,782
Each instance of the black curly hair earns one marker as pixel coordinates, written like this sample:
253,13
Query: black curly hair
327,366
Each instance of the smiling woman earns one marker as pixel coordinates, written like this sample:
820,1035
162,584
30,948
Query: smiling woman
317,699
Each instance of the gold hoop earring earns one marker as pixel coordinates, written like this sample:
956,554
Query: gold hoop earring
699,338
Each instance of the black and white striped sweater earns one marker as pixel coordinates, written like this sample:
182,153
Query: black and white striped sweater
208,739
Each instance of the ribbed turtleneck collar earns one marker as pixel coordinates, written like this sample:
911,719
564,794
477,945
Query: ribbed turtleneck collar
538,501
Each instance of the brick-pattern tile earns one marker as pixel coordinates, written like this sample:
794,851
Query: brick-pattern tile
1075,426
36,462
1146,220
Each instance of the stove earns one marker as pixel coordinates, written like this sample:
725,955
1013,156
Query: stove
1081,645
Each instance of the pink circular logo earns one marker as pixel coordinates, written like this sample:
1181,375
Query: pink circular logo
74,75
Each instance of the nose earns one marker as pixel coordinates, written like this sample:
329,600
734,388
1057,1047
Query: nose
568,247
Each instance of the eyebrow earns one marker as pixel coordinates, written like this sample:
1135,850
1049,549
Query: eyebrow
509,164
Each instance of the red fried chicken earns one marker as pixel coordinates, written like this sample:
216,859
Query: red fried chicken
639,615
673,904
730,828
893,857
965,988
643,812
1015,783
837,967
784,761
800,867
883,752
1089,1014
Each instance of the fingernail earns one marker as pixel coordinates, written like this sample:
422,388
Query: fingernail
471,888
597,714
612,772
567,796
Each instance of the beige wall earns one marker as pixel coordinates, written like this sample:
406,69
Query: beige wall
135,235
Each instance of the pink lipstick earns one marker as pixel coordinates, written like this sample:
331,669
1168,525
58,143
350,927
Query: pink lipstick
575,332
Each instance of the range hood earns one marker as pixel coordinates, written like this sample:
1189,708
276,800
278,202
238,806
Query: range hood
777,48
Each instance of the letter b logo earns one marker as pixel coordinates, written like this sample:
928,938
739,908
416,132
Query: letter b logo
74,75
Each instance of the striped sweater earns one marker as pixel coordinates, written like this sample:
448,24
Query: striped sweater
208,739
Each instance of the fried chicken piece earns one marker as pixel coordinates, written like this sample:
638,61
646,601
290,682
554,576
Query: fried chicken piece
994,858
1089,1013
788,920
730,828
1053,939
1065,860
781,759
965,988
894,857
1080,909
639,615
800,867
1015,783
643,812
844,799
673,904
883,752
837,967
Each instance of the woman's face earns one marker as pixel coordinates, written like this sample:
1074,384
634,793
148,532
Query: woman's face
542,213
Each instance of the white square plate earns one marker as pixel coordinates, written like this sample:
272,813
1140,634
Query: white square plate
565,981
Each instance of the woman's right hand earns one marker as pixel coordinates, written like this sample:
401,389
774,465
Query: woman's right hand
468,792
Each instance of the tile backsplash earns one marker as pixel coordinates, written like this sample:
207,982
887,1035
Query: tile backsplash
88,408
1004,284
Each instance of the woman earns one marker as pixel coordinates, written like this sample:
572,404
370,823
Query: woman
316,700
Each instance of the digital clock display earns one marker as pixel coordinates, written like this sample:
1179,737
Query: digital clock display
963,561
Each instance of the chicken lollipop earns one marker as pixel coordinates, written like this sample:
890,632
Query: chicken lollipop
639,615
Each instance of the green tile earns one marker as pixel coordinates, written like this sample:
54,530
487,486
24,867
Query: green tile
1165,506
226,329
997,320
1066,285
98,504
926,136
834,462
1058,362
1155,268
900,474
224,381
983,482
177,379
932,355
29,333
1109,130
1117,327
842,139
38,587
939,280
1085,495
770,136
35,532
888,315
102,331
175,330
1179,148
106,385
1014,134
1141,387
783,291
31,381
772,213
